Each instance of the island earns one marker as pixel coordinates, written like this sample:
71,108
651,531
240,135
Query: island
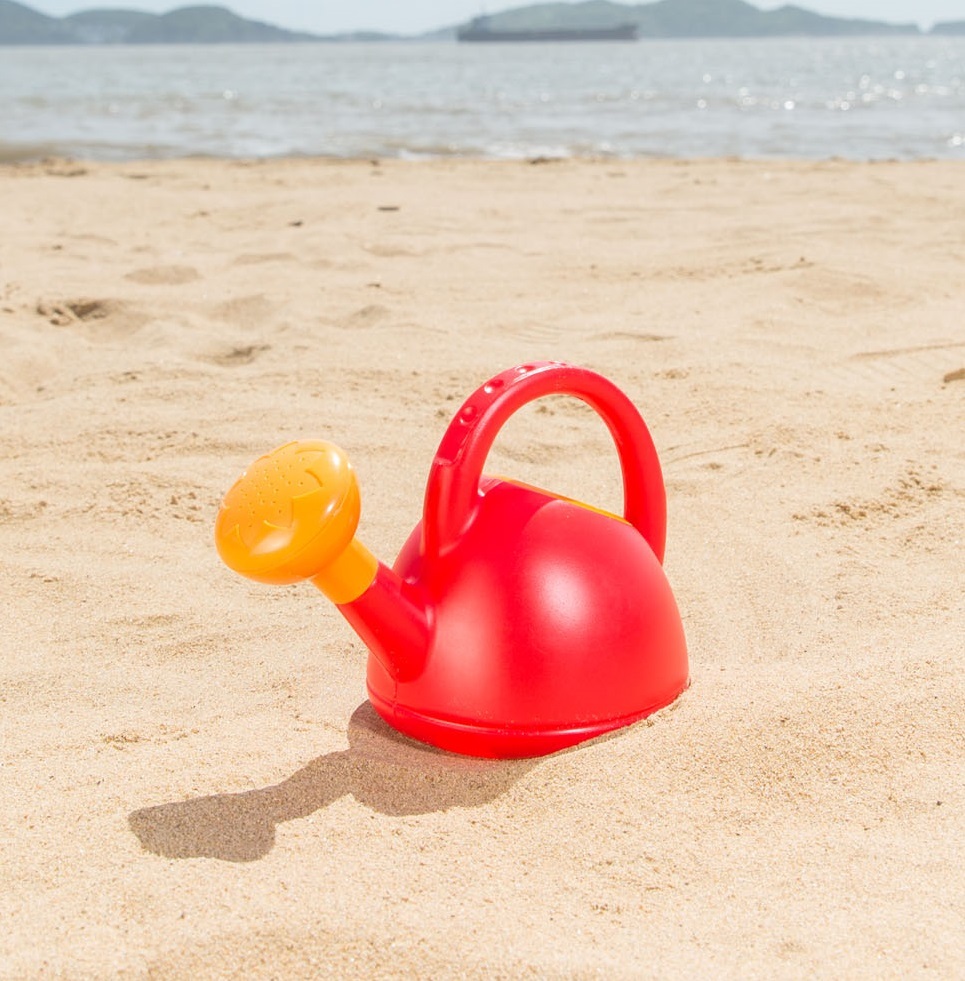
667,19
20,24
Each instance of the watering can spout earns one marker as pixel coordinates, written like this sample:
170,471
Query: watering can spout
392,619
292,516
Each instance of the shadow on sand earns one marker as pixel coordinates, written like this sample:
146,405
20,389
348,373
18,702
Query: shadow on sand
381,768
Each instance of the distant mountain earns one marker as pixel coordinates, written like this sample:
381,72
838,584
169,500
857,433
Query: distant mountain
207,25
103,26
688,18
20,24
187,25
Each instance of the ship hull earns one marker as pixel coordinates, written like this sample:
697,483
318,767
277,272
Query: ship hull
625,32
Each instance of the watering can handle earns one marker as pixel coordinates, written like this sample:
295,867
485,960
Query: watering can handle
452,492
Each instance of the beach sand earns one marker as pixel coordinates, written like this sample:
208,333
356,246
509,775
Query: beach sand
193,782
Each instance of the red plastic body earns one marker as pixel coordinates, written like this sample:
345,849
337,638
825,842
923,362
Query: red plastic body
516,623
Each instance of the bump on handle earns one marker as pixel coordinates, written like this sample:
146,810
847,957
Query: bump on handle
452,491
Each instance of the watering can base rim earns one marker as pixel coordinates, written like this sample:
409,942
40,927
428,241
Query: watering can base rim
504,742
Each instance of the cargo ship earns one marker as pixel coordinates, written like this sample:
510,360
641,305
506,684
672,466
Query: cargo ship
479,29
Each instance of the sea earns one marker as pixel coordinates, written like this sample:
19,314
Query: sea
871,98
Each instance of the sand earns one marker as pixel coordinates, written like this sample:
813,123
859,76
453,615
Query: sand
193,782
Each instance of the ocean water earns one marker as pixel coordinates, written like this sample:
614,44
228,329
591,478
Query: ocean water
856,98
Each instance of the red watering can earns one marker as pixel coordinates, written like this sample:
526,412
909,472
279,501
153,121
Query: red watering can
515,622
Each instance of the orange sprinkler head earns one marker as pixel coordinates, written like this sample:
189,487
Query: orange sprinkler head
291,516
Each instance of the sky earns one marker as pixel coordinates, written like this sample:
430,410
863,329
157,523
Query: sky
416,16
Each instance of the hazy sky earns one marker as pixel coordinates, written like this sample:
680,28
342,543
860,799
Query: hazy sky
414,16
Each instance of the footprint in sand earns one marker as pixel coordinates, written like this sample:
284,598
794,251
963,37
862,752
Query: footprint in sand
238,355
383,251
98,319
164,275
246,311
259,258
367,316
